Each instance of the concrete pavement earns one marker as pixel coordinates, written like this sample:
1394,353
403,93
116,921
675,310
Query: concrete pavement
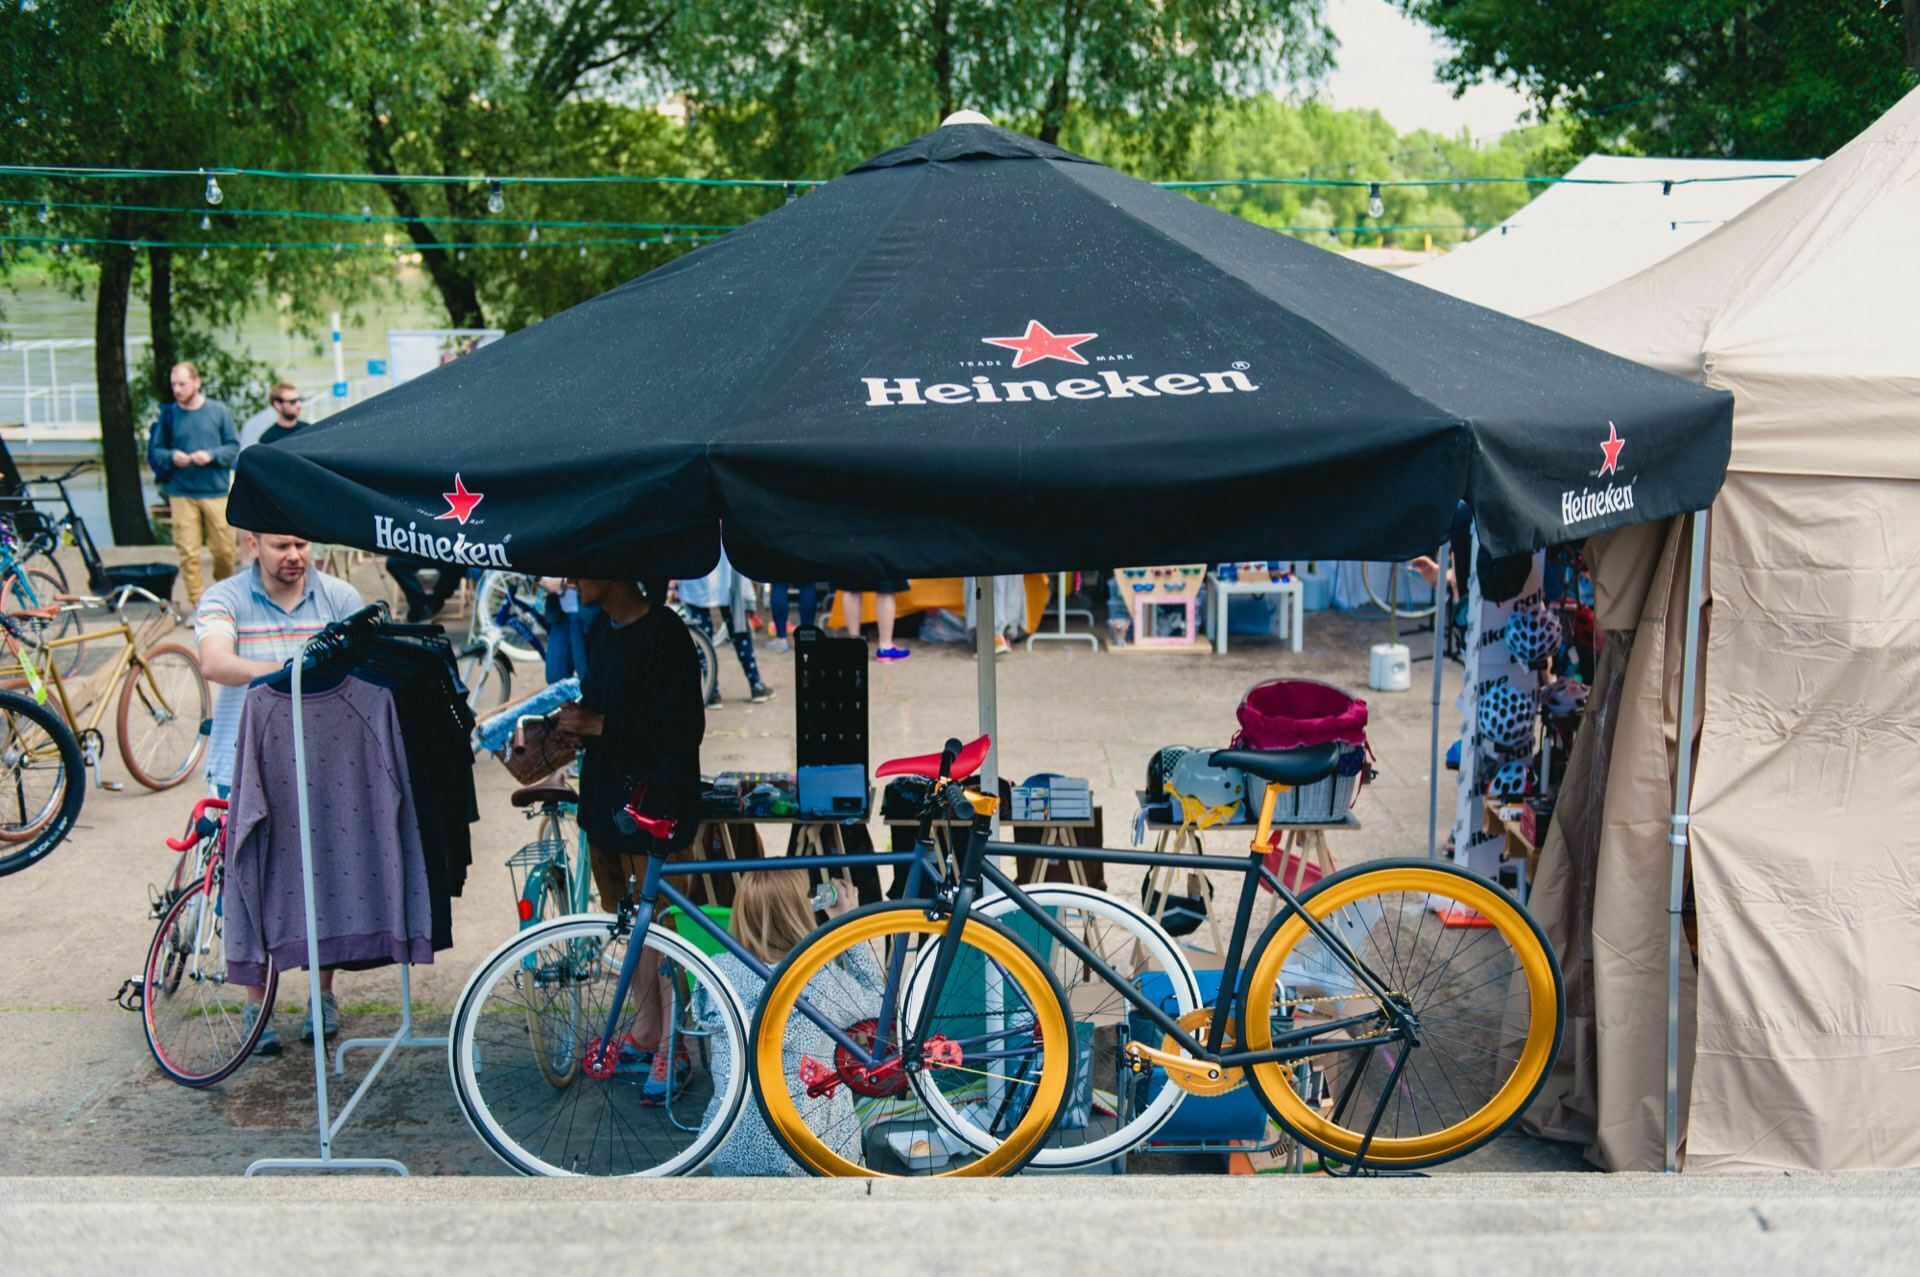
1571,1225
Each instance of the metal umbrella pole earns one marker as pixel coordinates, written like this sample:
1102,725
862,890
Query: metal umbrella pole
1677,837
1433,762
985,626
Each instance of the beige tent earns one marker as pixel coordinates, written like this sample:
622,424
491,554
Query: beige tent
1800,1025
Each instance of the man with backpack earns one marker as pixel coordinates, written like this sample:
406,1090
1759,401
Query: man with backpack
192,450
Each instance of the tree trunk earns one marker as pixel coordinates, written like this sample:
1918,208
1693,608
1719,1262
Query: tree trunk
1053,116
119,440
160,320
943,56
458,293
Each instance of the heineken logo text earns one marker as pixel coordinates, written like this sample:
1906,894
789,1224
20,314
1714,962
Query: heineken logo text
1585,505
387,535
887,392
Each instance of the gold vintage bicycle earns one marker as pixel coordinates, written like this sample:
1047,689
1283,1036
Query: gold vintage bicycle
164,703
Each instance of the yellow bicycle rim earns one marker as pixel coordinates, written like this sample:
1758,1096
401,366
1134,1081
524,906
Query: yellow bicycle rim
1536,966
778,1008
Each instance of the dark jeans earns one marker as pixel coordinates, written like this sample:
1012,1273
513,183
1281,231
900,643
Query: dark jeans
809,605
742,643
567,640
423,602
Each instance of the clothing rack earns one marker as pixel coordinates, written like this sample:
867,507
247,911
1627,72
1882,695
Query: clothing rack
338,639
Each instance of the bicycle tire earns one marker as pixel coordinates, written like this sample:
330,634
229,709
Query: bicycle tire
141,683
1289,953
788,1048
489,597
709,661
43,589
41,556
196,1034
1404,611
508,1133
1159,952
30,829
487,676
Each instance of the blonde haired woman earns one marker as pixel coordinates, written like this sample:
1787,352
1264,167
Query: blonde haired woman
772,913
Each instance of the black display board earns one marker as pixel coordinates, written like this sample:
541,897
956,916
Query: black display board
830,701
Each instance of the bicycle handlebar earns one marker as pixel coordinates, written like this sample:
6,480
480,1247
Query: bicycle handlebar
194,823
629,821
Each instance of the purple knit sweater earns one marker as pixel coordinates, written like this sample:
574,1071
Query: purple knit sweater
369,872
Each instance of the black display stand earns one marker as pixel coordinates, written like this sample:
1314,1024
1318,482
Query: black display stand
830,700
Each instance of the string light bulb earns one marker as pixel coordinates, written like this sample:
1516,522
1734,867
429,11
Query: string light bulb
203,252
269,252
366,212
496,198
206,223
523,254
213,193
583,251
46,213
1375,205
533,234
460,255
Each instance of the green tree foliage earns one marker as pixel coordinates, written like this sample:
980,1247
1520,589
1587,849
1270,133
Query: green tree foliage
89,85
1265,137
819,85
1760,79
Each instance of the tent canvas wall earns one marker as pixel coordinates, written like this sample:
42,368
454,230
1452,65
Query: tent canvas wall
1805,821
1577,238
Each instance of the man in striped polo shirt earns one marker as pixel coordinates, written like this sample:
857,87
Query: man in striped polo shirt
251,624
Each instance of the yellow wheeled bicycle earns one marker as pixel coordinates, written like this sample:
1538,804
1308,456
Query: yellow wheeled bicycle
163,700
1396,1015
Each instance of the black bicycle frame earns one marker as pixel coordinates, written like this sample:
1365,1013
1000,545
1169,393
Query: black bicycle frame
974,870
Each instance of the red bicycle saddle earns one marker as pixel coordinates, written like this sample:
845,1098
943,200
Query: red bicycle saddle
965,764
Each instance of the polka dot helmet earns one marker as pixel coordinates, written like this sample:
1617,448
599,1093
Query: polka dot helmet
1506,715
1564,696
1533,635
1513,780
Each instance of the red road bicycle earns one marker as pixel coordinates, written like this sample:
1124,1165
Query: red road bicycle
196,1020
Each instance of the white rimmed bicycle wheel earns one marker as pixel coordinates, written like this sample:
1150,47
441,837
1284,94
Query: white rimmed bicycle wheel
543,1121
1133,944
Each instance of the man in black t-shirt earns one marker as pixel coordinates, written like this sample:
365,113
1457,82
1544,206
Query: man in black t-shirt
640,718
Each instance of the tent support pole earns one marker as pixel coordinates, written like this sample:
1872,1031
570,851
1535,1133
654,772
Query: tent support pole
1433,749
1677,837
986,625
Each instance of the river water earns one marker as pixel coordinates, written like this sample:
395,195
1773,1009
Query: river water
39,312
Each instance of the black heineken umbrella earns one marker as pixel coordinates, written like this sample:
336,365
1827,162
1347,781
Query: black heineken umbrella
978,353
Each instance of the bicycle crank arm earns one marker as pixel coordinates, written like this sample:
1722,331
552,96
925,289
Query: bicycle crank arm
1196,1077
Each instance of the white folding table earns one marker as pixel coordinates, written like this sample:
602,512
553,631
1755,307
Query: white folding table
1288,591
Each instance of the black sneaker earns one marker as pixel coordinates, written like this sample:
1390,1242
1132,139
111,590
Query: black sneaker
713,699
760,694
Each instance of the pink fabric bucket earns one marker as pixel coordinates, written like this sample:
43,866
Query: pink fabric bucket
1289,713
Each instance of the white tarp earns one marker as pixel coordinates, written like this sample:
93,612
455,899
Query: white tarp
1576,239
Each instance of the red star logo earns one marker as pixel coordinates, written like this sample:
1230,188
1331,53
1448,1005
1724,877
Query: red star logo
1612,448
460,502
1038,343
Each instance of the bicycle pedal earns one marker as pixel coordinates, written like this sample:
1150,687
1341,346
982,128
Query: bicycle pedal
132,994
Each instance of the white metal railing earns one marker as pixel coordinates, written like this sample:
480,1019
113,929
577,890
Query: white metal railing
38,393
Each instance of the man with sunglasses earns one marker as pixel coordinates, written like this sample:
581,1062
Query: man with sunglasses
286,413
